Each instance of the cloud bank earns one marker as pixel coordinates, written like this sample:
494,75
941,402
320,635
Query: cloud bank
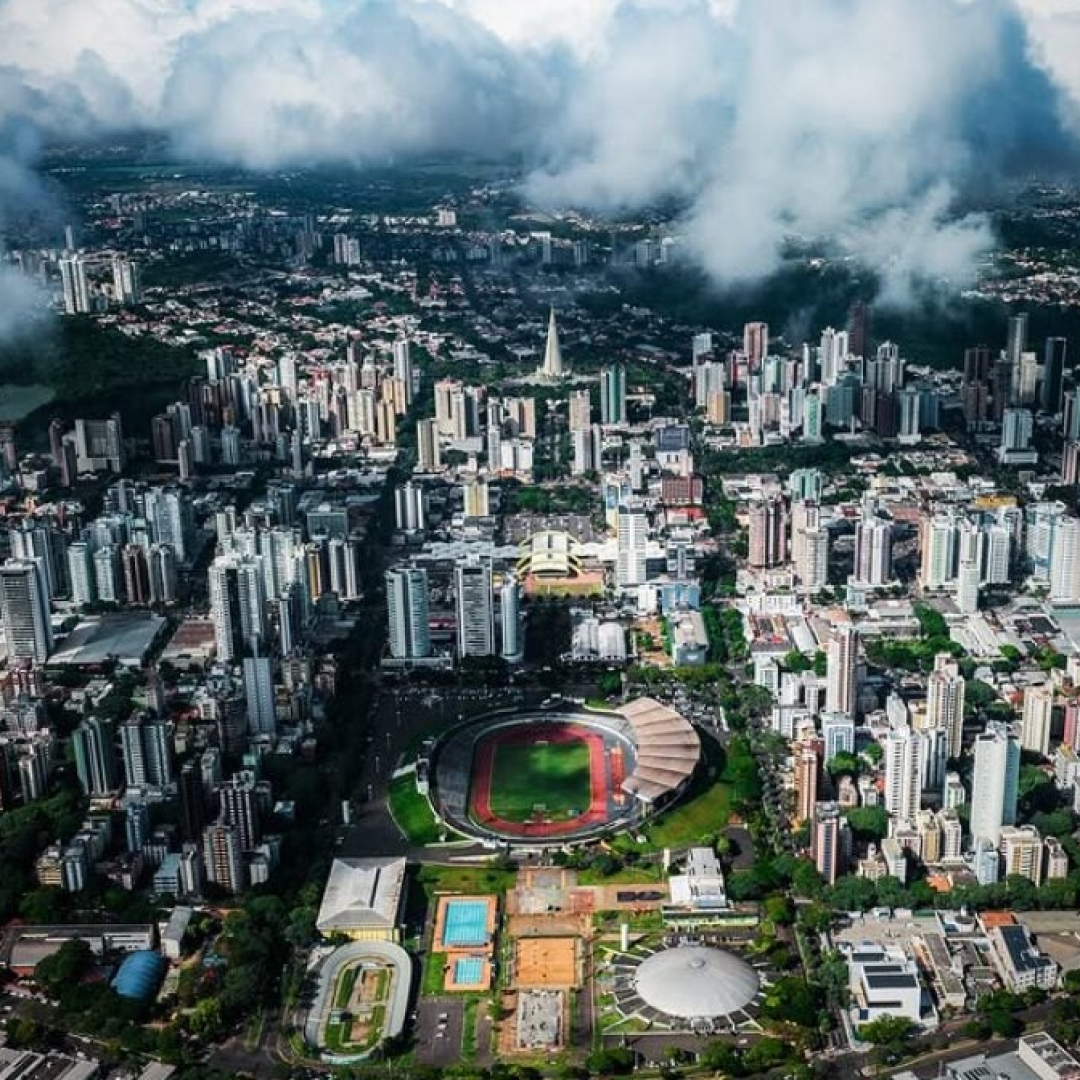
868,121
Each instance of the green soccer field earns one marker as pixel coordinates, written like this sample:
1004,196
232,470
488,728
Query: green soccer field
525,776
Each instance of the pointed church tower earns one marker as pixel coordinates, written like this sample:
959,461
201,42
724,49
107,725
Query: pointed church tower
553,365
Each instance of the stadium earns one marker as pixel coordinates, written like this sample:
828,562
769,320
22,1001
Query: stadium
553,776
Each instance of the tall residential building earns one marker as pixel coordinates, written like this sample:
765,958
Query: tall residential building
1053,370
1065,561
238,604
903,774
146,748
476,498
580,412
995,783
24,607
223,858
829,841
632,532
945,702
403,369
407,613
240,809
613,395
259,695
192,801
552,367
126,284
99,445
513,636
812,565
1037,717
768,545
428,456
841,671
475,609
75,285
1022,853
93,743
873,551
940,542
410,508
806,783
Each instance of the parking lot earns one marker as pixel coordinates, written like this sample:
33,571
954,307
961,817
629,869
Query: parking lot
439,1026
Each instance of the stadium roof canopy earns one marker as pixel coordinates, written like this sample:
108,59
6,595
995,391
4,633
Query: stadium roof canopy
668,749
696,982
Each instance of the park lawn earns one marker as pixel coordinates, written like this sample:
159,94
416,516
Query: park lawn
626,875
468,880
699,818
412,812
525,776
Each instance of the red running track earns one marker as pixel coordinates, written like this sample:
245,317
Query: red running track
483,767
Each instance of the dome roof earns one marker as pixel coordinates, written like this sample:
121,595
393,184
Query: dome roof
692,981
140,975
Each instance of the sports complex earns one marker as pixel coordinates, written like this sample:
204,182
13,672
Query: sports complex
559,775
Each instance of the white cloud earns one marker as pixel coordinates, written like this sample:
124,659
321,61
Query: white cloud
859,119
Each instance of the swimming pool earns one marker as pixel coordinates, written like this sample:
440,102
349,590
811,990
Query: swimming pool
465,924
468,971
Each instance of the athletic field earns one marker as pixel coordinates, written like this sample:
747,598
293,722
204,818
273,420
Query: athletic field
550,780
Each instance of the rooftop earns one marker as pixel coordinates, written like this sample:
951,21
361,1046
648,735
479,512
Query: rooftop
362,894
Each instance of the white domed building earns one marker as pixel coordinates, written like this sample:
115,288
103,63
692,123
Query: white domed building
687,987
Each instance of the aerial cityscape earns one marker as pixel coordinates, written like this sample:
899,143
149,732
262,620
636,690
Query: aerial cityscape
490,589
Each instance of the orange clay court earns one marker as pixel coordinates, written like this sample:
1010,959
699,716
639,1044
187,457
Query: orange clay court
546,961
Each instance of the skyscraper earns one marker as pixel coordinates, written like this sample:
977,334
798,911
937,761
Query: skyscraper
903,774
1037,716
475,609
1052,373
768,545
841,671
403,369
147,751
613,395
873,550
945,701
24,605
995,783
513,638
94,747
259,695
580,412
237,604
407,613
632,532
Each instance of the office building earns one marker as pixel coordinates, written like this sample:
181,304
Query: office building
24,608
513,634
407,613
631,537
475,609
1053,370
613,395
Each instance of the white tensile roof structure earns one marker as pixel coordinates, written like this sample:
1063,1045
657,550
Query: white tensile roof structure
668,749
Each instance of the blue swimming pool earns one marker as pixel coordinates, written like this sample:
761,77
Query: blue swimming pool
468,971
465,924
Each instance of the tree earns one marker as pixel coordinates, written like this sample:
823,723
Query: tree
613,1061
891,1031
868,823
841,763
65,968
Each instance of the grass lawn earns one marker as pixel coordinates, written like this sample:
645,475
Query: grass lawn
701,816
345,988
413,812
628,875
553,775
464,879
